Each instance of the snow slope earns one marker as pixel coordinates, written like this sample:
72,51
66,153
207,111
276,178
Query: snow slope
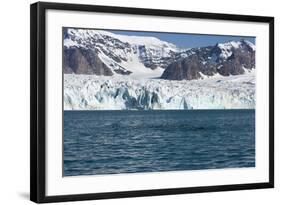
89,92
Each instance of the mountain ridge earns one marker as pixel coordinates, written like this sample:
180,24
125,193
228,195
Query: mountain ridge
98,52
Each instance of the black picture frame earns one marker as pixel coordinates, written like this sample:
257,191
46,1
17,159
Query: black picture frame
38,101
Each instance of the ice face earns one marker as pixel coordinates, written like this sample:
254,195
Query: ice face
90,92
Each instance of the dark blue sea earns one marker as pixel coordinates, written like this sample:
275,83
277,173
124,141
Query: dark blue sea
111,142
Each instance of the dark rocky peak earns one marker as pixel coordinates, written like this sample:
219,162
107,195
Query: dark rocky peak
230,58
84,61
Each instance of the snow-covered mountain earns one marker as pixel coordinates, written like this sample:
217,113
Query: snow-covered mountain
115,54
88,51
231,58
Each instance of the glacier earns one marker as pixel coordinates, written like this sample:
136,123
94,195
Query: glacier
91,92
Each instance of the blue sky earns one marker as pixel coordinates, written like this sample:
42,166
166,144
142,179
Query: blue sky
187,40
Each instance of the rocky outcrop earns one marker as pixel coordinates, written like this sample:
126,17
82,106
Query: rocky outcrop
187,68
84,61
153,58
237,63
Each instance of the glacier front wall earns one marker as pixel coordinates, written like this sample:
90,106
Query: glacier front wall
86,92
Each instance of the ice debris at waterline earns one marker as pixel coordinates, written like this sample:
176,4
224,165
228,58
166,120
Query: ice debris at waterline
91,92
